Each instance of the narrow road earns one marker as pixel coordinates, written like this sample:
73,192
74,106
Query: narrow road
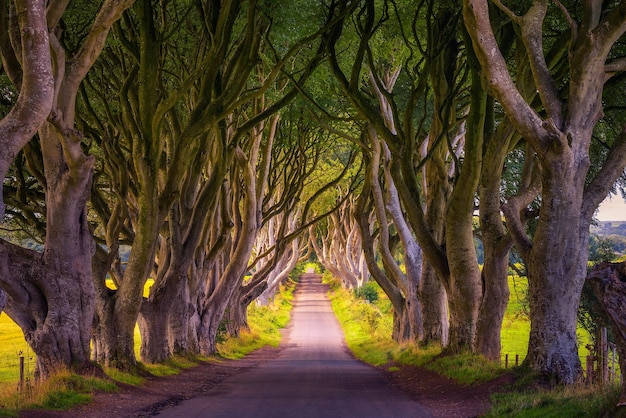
314,376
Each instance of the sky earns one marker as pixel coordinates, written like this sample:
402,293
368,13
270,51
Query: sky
612,209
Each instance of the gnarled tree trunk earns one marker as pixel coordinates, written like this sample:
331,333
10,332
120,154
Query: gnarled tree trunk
608,281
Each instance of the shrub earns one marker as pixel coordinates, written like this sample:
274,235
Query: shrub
368,292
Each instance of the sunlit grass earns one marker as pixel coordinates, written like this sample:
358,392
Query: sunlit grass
265,323
61,391
12,346
368,329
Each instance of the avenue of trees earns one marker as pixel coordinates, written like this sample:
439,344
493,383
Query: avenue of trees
222,142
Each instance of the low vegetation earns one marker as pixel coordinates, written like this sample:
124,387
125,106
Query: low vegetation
65,390
368,325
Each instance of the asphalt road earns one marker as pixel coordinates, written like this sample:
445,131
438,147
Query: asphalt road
314,376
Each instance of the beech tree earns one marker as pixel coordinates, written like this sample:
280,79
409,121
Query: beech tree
560,137
608,281
338,245
54,302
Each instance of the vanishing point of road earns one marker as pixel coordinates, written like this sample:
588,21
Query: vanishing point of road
314,376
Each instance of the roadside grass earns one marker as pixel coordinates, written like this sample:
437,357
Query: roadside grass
577,401
61,391
65,390
367,328
265,324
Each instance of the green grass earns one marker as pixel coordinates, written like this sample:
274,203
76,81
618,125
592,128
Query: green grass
61,391
368,326
12,346
557,403
265,323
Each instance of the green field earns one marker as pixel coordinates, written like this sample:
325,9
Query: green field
12,347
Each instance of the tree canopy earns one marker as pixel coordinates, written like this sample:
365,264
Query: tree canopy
209,146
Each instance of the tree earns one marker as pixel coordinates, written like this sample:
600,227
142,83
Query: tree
54,303
560,138
454,260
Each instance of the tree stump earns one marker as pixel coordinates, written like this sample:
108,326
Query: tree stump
608,281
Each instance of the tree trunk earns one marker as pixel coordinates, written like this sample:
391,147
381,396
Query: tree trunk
3,300
434,307
465,289
155,317
557,267
609,285
496,244
56,322
181,326
237,312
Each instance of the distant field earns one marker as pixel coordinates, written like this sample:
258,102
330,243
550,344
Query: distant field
12,346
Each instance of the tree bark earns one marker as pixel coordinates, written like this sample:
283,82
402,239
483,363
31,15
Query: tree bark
465,290
30,70
608,281
56,322
496,244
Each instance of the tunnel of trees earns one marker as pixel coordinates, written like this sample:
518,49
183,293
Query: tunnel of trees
212,145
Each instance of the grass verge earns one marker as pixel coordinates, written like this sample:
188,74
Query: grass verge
368,326
576,401
61,391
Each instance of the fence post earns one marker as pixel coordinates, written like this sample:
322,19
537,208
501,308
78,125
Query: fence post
516,360
506,361
603,353
21,388
590,378
612,349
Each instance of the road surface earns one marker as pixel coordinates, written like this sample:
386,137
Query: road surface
314,376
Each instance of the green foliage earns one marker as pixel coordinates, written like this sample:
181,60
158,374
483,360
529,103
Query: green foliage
601,248
368,292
